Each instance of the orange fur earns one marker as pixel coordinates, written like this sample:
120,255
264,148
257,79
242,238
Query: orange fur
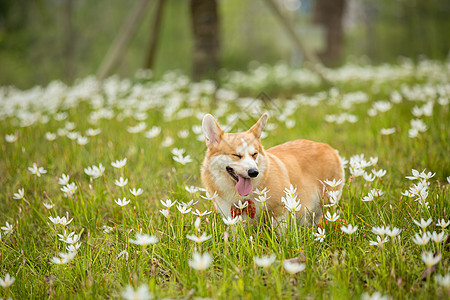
304,164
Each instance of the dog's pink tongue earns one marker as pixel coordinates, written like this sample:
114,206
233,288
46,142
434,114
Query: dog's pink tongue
244,186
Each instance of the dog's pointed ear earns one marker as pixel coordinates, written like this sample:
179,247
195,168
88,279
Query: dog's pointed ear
257,129
212,130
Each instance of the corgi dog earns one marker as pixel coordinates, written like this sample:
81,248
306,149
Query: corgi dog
236,164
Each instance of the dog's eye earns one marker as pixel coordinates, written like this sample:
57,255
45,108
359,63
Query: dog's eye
238,156
254,154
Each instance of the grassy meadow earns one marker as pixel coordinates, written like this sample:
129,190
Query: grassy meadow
384,120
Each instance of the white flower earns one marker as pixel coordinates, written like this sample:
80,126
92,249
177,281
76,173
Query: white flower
119,164
122,202
73,247
37,171
438,237
374,296
200,261
121,182
64,179
429,259
10,138
230,220
209,196
442,223
94,171
262,192
167,142
50,136
182,159
293,267
93,132
423,224
264,261
142,293
330,218
72,238
8,281
107,229
379,173
137,192
379,242
8,228
368,177
291,203
262,198
320,234
192,189
201,213
387,131
63,258
138,128
168,203
290,191
69,190
153,132
443,280
333,183
48,205
241,205
393,232
198,239
144,239
61,221
165,212
190,203
82,140
183,134
178,152
379,230
123,253
421,239
20,194
350,229
415,174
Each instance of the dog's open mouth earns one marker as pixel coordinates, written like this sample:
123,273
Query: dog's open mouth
244,185
232,173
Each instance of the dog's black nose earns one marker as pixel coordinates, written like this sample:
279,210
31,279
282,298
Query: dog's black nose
253,172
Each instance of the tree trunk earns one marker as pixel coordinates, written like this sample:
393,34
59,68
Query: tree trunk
155,30
329,14
205,27
123,39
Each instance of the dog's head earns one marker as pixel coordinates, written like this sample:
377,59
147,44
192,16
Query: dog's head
235,158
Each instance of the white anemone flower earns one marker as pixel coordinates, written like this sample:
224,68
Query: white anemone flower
7,281
141,293
293,267
119,164
198,238
423,224
144,239
429,259
231,221
200,261
265,260
121,182
350,229
137,192
122,202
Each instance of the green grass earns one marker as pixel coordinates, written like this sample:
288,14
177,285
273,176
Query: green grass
340,267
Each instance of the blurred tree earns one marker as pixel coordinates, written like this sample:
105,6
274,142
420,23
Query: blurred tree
329,14
154,35
205,28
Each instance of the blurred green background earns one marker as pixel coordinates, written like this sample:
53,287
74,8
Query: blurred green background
44,40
